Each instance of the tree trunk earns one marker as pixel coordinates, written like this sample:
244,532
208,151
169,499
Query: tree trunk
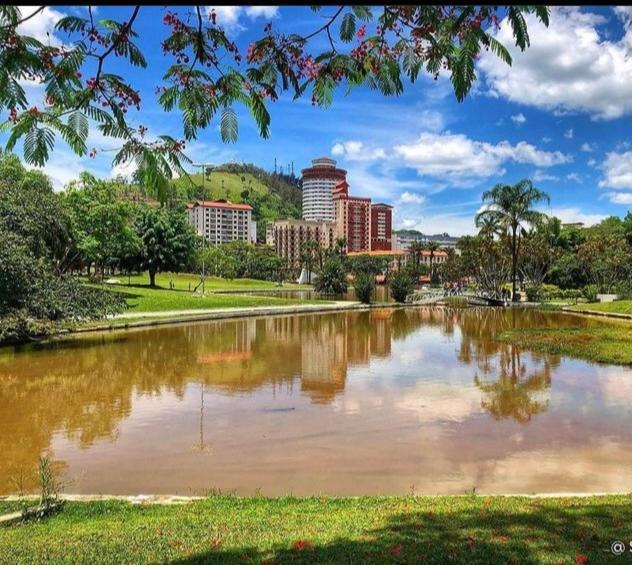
152,278
514,260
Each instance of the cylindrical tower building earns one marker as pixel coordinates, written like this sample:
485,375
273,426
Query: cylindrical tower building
319,181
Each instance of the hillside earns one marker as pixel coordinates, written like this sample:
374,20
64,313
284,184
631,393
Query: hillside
272,197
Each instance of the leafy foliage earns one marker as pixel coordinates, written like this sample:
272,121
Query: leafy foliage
363,284
401,284
332,278
382,47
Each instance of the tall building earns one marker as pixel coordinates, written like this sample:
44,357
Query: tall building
319,181
381,227
288,236
353,218
220,221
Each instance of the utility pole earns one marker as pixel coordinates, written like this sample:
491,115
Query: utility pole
204,167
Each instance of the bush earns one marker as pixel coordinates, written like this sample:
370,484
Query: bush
401,284
363,284
534,294
624,290
456,301
332,278
590,292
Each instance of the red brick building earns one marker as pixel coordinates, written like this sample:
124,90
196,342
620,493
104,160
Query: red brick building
353,218
381,227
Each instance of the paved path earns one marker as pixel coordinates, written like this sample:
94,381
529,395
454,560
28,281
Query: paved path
617,315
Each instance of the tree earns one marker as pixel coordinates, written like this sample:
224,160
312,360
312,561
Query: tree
607,260
168,241
432,247
511,207
205,77
311,256
363,285
401,284
332,279
489,227
102,224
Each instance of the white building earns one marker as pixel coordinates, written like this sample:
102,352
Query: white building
319,181
220,221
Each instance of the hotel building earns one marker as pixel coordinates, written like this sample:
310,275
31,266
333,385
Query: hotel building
220,221
319,181
353,218
381,227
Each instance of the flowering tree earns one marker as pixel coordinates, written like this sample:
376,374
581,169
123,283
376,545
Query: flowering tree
378,46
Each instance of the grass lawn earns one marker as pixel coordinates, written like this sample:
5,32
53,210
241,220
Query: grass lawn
181,281
145,299
462,529
607,343
618,306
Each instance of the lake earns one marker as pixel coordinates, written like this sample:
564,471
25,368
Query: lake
383,401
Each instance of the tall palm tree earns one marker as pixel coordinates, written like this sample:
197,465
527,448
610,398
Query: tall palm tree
433,247
511,206
416,247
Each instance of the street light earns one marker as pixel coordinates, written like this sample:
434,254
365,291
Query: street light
205,167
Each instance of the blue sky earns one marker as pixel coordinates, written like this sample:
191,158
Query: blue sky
561,115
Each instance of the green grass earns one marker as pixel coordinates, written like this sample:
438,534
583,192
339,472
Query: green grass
611,343
145,299
618,306
224,529
181,281
226,185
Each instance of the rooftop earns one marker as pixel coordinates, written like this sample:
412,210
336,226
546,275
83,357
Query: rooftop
220,204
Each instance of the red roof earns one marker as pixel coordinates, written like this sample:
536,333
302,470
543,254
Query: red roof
222,204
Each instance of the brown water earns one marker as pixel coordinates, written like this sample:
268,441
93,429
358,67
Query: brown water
373,402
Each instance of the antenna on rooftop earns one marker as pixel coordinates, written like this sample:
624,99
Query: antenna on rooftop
275,166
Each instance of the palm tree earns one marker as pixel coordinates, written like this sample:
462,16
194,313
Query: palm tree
341,243
416,247
433,247
510,206
488,227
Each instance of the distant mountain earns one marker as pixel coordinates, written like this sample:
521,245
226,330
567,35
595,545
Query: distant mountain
272,196
429,237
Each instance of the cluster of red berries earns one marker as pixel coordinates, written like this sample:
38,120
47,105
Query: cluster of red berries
95,37
13,116
93,153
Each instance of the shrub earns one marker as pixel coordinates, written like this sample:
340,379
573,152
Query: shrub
590,292
332,278
534,294
401,284
624,290
363,285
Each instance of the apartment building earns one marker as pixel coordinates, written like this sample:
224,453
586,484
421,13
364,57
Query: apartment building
319,181
381,227
287,237
221,221
353,218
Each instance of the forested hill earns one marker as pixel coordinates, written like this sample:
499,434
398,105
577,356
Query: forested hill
272,197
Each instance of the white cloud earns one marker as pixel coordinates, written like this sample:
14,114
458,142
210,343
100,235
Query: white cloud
40,26
568,134
411,198
618,171
620,197
356,151
574,177
591,162
572,214
458,157
586,147
540,176
568,67
228,17
518,118
546,140
268,12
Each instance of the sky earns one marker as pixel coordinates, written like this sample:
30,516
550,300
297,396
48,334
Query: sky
561,115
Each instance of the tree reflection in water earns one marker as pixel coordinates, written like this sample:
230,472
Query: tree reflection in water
82,389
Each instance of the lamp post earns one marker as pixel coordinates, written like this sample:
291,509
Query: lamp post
204,167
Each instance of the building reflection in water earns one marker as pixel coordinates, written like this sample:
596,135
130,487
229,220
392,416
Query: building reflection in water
82,389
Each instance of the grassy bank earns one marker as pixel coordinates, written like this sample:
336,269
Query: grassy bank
186,281
618,307
611,343
464,529
145,299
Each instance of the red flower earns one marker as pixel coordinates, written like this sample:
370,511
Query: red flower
300,545
581,559
396,549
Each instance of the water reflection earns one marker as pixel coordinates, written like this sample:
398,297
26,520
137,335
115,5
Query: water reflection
390,396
